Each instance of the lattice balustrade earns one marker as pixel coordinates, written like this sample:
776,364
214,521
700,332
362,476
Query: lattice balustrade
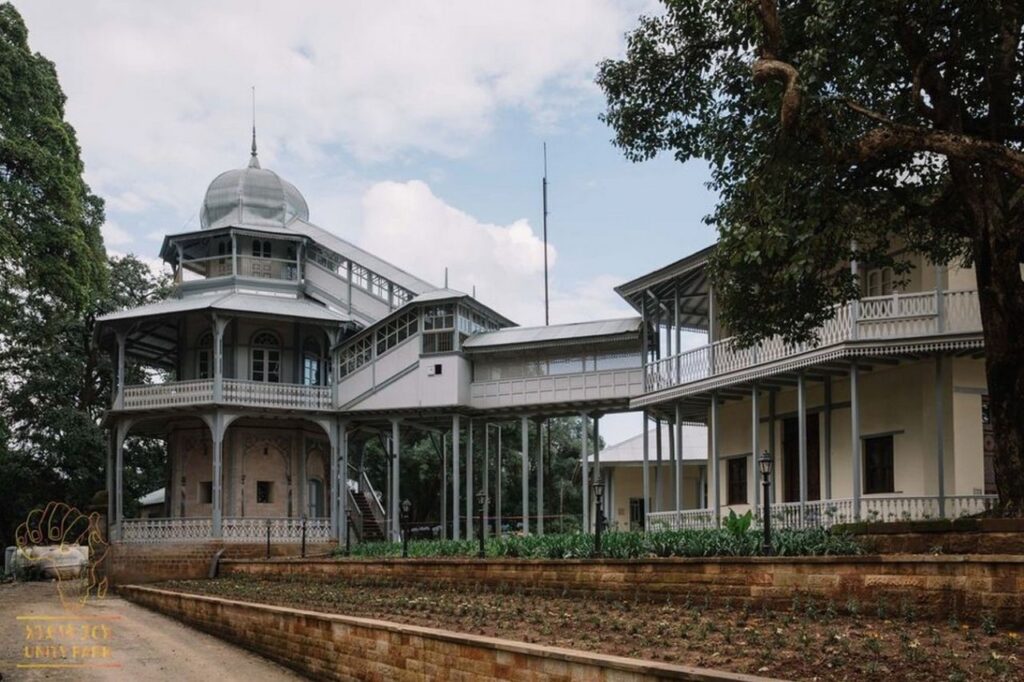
166,530
240,530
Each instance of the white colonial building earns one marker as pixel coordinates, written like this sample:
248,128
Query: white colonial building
286,348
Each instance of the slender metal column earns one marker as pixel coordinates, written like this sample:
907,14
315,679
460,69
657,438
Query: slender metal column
679,340
679,457
940,435
444,486
456,431
755,445
801,418
122,433
597,463
217,432
771,444
487,476
396,478
715,459
525,425
828,437
122,339
335,476
341,484
219,324
646,470
658,498
672,462
111,492
539,463
497,488
469,482
855,445
585,466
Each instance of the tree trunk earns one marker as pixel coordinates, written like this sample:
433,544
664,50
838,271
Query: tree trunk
997,255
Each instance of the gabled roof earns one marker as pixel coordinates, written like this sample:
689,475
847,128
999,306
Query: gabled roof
555,334
355,254
686,277
631,450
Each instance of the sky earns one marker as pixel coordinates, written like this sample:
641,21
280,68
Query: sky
413,129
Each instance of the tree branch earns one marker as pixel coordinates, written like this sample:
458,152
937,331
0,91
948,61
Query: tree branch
770,67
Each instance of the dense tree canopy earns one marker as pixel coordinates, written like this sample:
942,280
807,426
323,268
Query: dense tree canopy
838,130
55,279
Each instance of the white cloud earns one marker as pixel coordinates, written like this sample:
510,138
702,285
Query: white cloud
413,228
159,92
114,234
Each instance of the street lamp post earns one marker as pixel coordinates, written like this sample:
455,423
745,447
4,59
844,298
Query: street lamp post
404,520
764,463
599,521
481,503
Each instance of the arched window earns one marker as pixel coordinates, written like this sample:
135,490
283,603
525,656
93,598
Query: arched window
315,497
261,248
266,358
311,362
204,356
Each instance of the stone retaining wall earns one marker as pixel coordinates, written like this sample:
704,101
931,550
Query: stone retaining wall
146,563
328,646
937,586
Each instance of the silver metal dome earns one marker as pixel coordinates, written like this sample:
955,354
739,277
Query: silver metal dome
251,196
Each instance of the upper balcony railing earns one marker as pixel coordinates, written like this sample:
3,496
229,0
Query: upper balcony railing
235,392
280,269
878,318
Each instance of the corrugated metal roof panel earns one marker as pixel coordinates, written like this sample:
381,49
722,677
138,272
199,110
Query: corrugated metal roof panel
553,333
277,306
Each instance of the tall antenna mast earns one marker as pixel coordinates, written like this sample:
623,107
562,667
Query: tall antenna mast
254,121
544,191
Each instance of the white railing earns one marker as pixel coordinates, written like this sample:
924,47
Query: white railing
254,530
261,394
235,392
687,519
171,394
827,513
166,530
233,530
878,318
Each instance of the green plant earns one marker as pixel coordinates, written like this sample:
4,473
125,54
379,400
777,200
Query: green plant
738,525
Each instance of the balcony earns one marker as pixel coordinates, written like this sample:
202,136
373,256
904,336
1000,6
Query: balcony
877,319
235,392
279,269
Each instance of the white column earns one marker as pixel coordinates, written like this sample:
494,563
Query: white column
525,450
855,444
470,502
542,443
396,478
331,427
585,466
487,476
122,339
217,432
801,420
715,462
444,486
646,471
679,458
672,462
658,498
940,436
771,444
219,324
828,437
597,463
121,434
111,492
755,445
497,487
456,430
341,483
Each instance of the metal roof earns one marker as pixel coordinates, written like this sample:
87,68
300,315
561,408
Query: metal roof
357,255
251,196
155,497
631,450
554,333
258,304
686,277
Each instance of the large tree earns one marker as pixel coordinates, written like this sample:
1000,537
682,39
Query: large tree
839,130
55,279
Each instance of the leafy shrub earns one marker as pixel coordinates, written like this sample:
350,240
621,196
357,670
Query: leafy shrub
737,538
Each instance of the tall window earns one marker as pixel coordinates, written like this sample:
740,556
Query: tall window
878,465
261,248
315,490
311,363
266,358
204,356
737,484
880,282
439,329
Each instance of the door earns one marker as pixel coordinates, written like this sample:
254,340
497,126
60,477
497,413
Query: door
791,459
636,513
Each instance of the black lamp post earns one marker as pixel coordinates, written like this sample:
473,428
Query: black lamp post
764,463
481,503
599,521
404,520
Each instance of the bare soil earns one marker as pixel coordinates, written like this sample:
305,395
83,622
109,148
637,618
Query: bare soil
810,641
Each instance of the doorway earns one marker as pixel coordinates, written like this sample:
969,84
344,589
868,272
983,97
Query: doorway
791,459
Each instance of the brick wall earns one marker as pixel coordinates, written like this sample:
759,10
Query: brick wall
147,563
326,646
968,586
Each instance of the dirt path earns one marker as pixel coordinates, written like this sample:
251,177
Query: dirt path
141,645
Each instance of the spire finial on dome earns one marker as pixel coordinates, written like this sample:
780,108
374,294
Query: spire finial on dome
253,161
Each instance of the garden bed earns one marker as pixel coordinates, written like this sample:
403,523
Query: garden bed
809,640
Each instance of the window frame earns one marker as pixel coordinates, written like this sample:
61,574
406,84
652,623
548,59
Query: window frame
267,355
877,478
735,465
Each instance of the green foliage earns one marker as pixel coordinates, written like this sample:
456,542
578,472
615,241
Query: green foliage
627,545
738,525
